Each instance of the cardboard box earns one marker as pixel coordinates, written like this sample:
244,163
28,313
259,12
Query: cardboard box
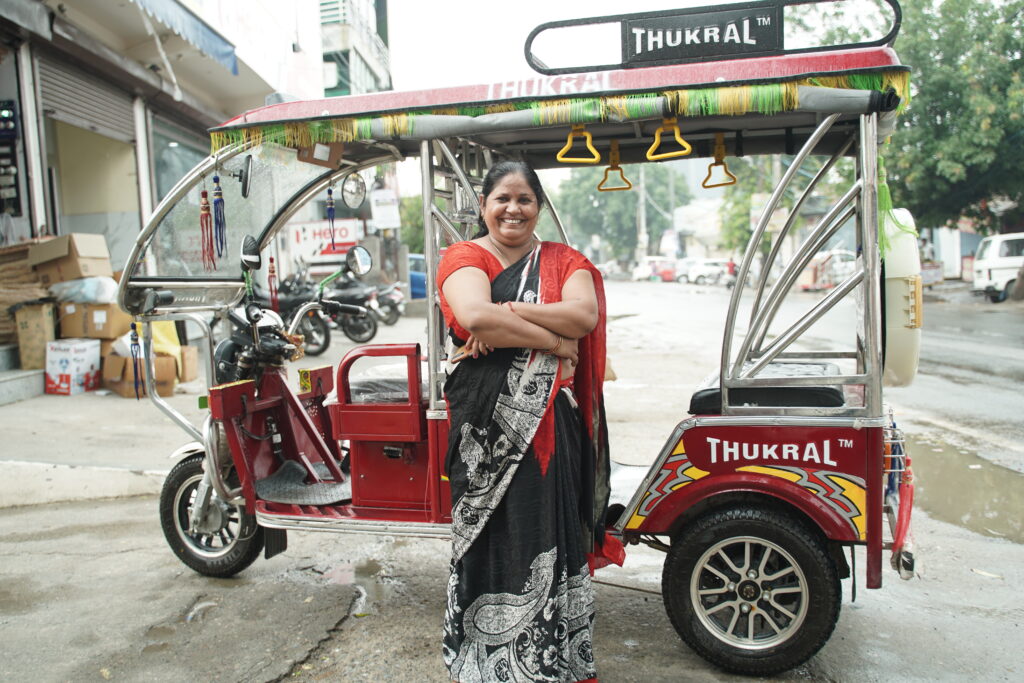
189,368
119,376
36,325
94,321
70,257
72,366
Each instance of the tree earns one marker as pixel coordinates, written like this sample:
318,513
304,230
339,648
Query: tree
411,211
954,152
613,215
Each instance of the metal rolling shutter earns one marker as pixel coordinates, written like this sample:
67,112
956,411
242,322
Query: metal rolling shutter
73,96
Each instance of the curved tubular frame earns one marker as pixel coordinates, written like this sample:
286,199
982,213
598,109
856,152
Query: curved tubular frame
753,356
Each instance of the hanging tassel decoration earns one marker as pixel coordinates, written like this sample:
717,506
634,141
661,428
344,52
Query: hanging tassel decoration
272,286
220,225
136,359
206,230
330,213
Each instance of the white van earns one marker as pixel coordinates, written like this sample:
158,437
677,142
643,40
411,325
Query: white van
996,263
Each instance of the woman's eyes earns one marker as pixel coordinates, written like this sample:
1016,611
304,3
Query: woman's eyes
506,200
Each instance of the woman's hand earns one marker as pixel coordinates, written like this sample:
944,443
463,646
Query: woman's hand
473,347
567,348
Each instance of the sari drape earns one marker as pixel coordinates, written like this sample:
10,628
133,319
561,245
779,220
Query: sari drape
528,467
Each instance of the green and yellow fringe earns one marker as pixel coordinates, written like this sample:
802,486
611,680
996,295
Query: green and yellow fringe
766,99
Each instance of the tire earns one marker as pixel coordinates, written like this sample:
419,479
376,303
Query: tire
683,280
390,315
700,280
232,540
1000,297
779,633
317,333
359,328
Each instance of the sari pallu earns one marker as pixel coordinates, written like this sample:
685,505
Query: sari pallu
523,462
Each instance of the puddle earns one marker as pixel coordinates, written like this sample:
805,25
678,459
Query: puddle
961,488
369,577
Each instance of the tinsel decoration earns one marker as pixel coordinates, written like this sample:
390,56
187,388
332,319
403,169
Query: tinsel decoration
272,286
330,213
206,232
220,225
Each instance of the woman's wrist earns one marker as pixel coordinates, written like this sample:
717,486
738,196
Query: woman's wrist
556,345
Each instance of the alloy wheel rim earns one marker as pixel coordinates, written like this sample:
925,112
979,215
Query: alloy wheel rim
206,544
749,593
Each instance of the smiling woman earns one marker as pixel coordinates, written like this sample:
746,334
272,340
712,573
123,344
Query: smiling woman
527,457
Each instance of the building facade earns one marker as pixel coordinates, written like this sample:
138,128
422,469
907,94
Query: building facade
110,102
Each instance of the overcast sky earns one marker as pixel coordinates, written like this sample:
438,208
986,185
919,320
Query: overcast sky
468,42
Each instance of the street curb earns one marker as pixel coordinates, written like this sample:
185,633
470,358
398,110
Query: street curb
35,483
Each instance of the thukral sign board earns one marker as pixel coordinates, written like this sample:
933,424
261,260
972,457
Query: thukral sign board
674,37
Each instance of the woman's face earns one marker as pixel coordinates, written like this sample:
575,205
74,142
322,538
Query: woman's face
510,211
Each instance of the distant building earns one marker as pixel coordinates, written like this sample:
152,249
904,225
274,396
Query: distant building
355,44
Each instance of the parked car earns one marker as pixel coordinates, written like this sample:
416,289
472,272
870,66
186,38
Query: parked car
417,276
683,266
996,263
707,271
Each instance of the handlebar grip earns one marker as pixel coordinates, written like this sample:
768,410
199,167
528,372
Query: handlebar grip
339,307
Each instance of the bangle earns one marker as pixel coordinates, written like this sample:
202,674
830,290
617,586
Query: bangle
558,343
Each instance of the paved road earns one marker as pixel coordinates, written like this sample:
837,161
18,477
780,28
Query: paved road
89,591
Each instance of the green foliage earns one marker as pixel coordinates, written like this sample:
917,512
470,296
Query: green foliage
959,148
956,148
613,215
411,211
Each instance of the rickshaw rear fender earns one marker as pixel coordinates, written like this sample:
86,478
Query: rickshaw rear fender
744,488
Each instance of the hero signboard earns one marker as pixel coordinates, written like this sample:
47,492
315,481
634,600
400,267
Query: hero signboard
685,36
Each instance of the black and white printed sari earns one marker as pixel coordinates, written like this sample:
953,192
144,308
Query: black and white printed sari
520,603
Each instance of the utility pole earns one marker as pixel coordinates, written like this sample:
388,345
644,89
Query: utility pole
641,217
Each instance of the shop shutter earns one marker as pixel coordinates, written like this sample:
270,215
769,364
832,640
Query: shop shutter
74,96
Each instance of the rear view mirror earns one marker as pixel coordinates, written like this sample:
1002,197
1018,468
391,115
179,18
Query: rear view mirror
245,175
353,191
359,260
251,254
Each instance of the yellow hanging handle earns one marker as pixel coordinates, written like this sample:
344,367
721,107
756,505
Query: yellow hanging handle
578,130
614,166
730,179
668,126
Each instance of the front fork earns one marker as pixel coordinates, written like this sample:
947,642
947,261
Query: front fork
213,478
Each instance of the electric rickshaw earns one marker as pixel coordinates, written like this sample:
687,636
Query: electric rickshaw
777,469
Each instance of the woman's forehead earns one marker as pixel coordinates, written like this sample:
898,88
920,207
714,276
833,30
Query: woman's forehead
513,183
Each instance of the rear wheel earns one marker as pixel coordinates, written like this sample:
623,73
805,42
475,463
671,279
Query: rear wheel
359,328
700,280
390,313
1000,297
224,543
751,590
317,333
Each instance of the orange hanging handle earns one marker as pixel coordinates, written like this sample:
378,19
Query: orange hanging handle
578,130
729,179
668,126
614,166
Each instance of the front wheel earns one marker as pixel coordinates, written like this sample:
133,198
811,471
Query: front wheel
224,543
316,332
359,328
751,590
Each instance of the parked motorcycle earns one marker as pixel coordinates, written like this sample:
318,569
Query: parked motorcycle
348,290
312,324
391,303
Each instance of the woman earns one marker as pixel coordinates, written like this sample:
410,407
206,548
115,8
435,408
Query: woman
527,454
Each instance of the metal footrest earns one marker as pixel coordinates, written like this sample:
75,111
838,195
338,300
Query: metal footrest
288,485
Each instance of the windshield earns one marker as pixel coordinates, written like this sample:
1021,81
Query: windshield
176,248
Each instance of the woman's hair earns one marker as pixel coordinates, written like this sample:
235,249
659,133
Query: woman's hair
499,171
